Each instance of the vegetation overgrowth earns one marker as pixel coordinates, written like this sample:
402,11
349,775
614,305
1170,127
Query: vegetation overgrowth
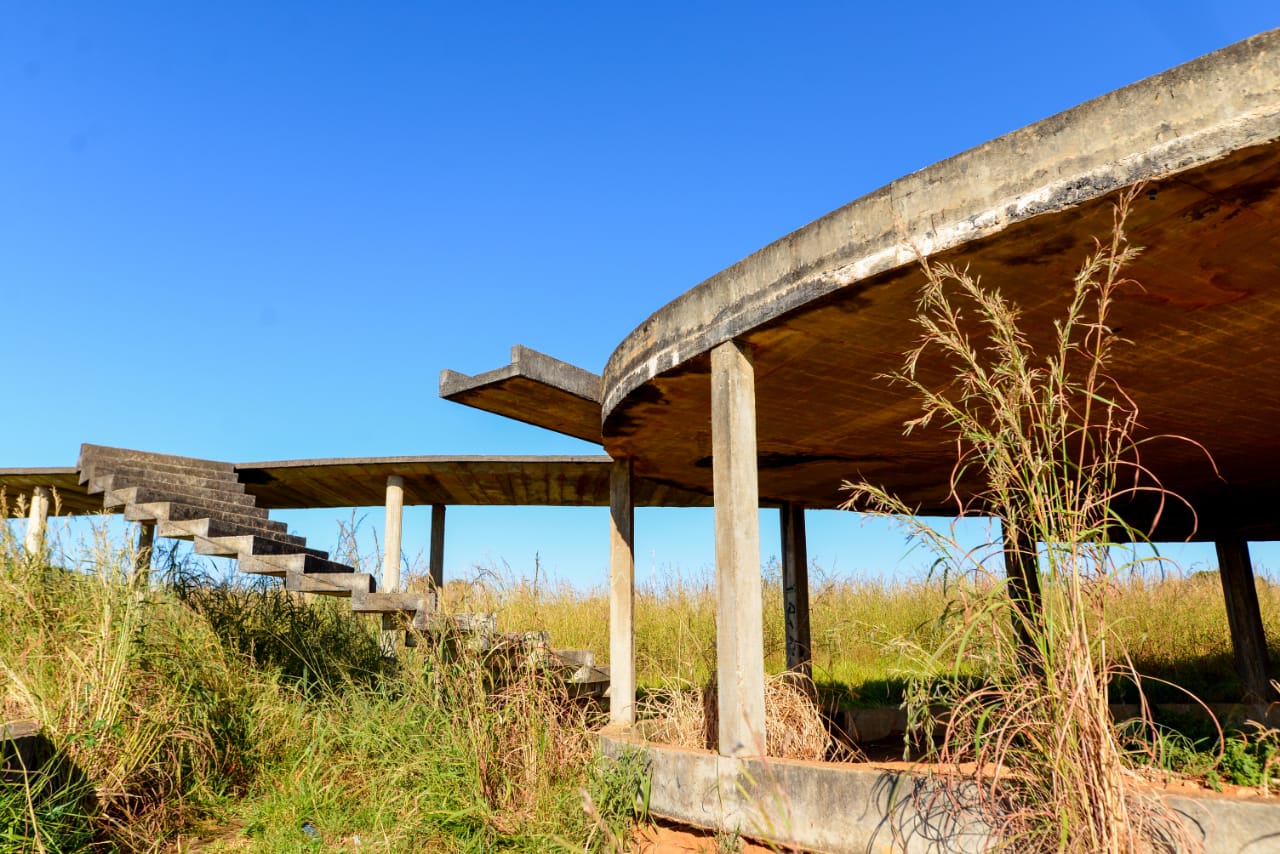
1048,444
194,714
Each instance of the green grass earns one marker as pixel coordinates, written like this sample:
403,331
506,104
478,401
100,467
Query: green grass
238,718
864,629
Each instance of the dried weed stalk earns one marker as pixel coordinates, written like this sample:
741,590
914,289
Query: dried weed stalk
1046,443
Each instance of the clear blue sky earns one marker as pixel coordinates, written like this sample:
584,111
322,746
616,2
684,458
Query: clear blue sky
258,231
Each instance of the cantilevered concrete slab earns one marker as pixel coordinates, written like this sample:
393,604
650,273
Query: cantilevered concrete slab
71,496
566,481
826,310
569,481
535,389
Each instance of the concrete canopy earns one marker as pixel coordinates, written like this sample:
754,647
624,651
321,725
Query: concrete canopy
72,498
568,481
493,481
535,389
827,309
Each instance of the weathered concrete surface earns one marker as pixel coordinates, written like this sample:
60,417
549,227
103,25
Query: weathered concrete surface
827,309
565,481
843,809
535,389
22,750
71,496
622,596
739,625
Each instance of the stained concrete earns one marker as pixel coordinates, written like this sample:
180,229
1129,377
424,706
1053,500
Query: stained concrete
845,809
827,309
535,389
563,481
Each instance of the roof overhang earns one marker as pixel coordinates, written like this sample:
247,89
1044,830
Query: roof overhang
535,389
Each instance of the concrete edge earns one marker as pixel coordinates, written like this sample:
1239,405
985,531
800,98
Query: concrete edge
528,364
841,809
1186,117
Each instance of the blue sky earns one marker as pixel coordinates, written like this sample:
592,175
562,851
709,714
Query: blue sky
255,231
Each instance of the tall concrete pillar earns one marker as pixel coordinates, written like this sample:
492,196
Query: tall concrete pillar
795,589
437,547
739,621
1244,617
393,533
37,520
622,596
1022,568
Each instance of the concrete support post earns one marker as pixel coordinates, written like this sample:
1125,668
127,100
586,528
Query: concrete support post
1244,617
146,544
622,596
393,533
1022,567
37,520
437,547
739,621
795,589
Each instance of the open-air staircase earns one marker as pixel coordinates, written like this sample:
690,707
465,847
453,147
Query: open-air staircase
205,502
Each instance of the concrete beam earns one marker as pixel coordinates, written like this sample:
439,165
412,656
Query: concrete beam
437,548
393,534
739,621
1248,639
37,520
795,589
622,596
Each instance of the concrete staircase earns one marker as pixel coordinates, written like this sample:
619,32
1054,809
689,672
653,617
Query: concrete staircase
204,501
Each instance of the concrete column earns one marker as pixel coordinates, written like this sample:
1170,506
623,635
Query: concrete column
795,589
146,543
622,596
1244,617
393,533
37,520
437,546
1023,570
739,621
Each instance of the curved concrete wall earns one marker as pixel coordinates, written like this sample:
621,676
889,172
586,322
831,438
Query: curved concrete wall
1193,114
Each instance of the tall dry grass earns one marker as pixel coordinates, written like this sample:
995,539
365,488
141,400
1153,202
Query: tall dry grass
867,631
1047,443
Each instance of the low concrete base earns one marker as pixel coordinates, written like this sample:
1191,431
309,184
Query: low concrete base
847,809
21,750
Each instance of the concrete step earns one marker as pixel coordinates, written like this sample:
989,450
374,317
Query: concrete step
135,475
97,459
574,657
246,544
210,528
330,583
418,605
222,490
180,511
589,682
301,563
147,495
462,624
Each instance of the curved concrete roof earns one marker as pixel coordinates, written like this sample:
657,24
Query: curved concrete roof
827,309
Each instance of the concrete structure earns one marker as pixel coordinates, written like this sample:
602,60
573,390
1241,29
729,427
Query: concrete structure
37,519
763,385
835,809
